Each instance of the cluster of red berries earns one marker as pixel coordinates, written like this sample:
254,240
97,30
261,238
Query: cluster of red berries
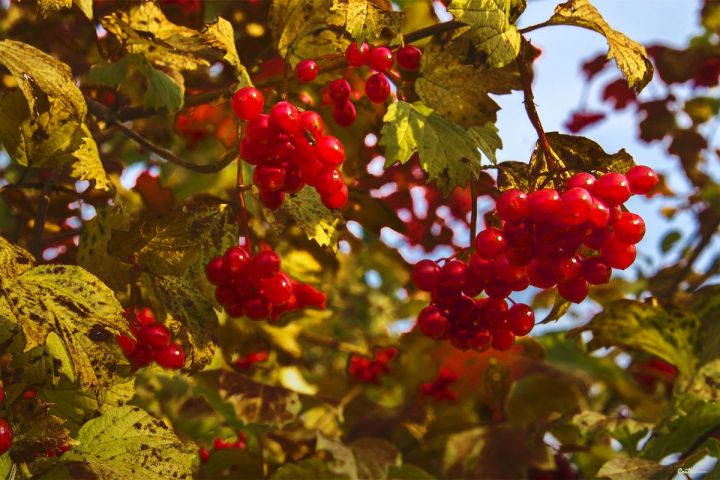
289,149
220,444
439,388
254,286
150,341
546,239
368,370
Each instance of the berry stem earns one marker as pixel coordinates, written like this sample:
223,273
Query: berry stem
473,214
243,217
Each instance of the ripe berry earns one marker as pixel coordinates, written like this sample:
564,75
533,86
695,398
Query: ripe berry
618,254
575,290
172,357
328,181
408,57
155,336
520,319
502,339
293,179
235,260
306,70
257,307
596,271
339,91
506,272
357,56
519,235
540,273
127,344
265,264
452,275
6,436
337,199
630,228
269,178
599,213
344,113
142,356
575,206
330,150
214,271
567,269
259,129
490,243
285,116
381,59
512,205
582,180
248,103
432,322
613,188
271,200
377,88
311,122
642,179
543,204
495,312
277,288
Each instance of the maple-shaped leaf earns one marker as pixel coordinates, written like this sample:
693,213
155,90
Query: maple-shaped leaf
581,120
630,56
368,19
619,94
446,151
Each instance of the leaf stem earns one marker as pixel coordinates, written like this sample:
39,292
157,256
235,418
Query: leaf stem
537,26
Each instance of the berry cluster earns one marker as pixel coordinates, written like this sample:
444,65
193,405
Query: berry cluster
254,286
220,444
289,149
546,239
368,370
151,340
439,388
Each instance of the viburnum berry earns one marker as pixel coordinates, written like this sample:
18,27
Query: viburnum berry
306,70
512,205
520,319
582,180
338,199
575,206
490,243
339,91
502,339
344,113
426,275
452,274
271,200
613,188
377,88
330,150
172,357
575,290
408,57
269,178
328,181
618,254
155,336
6,436
439,388
642,179
285,116
357,55
630,228
235,260
369,370
247,103
311,122
252,358
432,322
543,204
265,264
596,271
381,59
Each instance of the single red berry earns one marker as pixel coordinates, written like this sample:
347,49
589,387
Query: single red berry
127,344
306,70
575,206
408,57
337,199
452,275
285,116
481,339
381,59
330,150
172,357
214,271
339,91
512,205
29,394
575,290
344,113
502,339
596,271
613,188
204,455
265,264
309,296
540,273
426,275
567,269
235,260
507,272
6,436
599,213
377,88
495,312
311,122
235,310
357,56
432,322
277,288
293,179
490,243
248,103
142,356
155,336
630,228
582,180
328,181
520,319
271,200
259,130
257,307
269,178
543,204
642,179
519,235
618,254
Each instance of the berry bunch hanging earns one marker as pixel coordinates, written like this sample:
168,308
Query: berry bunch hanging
439,388
570,240
220,444
289,149
150,341
369,370
255,287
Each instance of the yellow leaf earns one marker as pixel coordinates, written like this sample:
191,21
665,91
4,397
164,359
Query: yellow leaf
48,7
14,260
368,19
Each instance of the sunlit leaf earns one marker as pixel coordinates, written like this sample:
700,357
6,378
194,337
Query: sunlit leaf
367,19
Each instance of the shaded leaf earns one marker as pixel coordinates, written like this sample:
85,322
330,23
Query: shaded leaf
309,469
537,397
255,402
407,472
14,260
368,19
35,430
48,7
624,468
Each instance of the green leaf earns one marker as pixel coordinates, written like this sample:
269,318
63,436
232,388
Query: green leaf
627,431
491,30
513,174
407,472
367,19
624,468
127,443
630,56
487,139
14,260
298,28
669,240
540,396
73,304
258,403
34,69
35,430
220,35
305,210
309,469
666,331
446,152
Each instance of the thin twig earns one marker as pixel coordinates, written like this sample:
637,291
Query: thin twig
530,28
329,342
705,240
473,213
240,189
40,219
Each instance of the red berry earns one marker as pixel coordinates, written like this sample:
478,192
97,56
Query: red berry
582,180
259,129
235,260
285,116
377,88
481,339
495,312
452,275
642,179
490,243
330,150
293,179
599,213
172,357
306,70
520,319
630,228
277,288
426,275
257,307
344,113
269,178
311,122
204,455
265,264
506,272
142,356
248,103
408,57
155,336
235,310
381,59
309,296
613,188
127,344
512,205
519,235
214,271
339,91
432,322
543,204
357,56
271,200
596,271
575,206
575,290
618,254
567,269
6,436
2,391
337,199
328,181
502,339
540,273
29,394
